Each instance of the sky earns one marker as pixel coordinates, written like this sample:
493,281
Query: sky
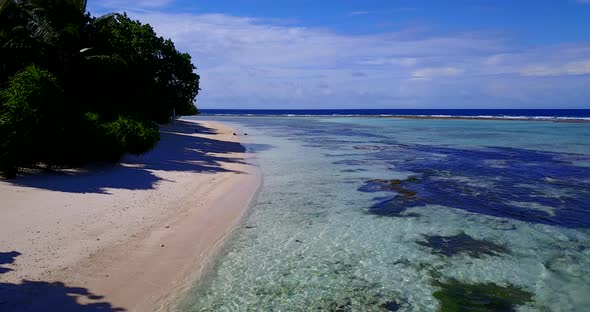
305,54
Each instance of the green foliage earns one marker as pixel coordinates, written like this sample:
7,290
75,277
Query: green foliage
46,33
109,140
79,89
133,136
98,143
30,119
155,78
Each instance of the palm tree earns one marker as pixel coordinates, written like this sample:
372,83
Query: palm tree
43,32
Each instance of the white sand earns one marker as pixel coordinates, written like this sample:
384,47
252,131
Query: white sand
133,236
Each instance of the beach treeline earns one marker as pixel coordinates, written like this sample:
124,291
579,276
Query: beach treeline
76,89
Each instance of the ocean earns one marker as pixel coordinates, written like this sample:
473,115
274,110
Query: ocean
388,214
534,114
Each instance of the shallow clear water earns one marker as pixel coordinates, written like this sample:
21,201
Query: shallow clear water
364,214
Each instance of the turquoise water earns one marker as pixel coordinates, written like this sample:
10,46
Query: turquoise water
367,214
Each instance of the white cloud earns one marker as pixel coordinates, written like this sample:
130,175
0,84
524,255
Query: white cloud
572,68
429,73
357,13
251,63
402,61
122,5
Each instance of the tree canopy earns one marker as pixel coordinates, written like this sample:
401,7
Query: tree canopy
76,88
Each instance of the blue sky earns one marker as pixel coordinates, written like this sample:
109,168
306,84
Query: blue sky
378,53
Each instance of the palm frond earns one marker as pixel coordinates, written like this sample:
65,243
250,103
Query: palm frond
4,4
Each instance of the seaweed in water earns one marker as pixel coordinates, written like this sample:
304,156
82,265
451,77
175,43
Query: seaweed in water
462,243
456,296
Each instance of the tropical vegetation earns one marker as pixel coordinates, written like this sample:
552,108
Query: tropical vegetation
76,88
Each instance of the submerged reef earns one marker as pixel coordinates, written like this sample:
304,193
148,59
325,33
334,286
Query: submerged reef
456,296
391,206
396,185
462,244
525,185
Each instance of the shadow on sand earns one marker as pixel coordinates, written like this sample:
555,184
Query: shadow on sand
176,151
7,258
33,296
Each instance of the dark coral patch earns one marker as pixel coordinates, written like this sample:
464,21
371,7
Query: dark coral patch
397,185
456,296
394,206
462,243
463,179
391,305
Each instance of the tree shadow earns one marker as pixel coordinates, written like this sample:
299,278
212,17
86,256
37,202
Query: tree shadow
176,151
33,296
185,127
7,258
95,180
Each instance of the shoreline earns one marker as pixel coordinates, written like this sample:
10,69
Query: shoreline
117,238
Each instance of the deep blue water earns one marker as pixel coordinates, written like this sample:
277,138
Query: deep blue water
497,113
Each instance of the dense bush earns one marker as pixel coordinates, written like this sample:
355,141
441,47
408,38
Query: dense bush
77,89
133,136
120,136
30,119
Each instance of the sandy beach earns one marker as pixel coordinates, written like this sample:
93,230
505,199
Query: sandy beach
129,237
